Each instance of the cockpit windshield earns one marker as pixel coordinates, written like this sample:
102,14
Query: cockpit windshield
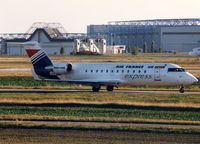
176,70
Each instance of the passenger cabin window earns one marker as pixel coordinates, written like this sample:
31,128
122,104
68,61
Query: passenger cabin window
176,70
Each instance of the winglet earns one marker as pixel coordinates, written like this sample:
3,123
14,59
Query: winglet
35,75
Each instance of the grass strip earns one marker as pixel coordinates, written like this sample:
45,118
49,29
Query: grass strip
111,111
101,128
140,99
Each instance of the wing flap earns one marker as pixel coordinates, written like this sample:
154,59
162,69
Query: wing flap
101,82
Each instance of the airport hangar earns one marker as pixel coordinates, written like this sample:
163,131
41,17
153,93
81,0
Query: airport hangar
171,35
179,35
51,36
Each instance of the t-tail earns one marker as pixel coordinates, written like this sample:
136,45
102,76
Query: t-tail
39,59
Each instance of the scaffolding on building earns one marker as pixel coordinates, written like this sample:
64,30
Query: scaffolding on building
55,30
137,32
159,22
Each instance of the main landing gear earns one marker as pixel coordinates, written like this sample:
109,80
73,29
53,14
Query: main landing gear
181,90
97,88
110,88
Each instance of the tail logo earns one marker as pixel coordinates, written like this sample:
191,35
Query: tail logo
31,52
35,52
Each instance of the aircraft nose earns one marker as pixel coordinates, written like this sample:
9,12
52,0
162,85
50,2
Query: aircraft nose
193,79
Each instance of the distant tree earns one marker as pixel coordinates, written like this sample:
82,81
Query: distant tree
152,47
74,52
145,48
160,50
129,49
135,50
62,51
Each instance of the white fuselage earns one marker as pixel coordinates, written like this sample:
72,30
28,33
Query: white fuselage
129,73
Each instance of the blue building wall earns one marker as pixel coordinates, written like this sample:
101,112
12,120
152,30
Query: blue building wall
136,33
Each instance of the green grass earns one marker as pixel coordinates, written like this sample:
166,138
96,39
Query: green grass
107,111
164,99
27,82
128,128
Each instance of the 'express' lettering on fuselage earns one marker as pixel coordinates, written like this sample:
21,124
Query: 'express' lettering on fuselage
138,76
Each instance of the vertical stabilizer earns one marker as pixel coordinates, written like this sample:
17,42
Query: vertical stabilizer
39,59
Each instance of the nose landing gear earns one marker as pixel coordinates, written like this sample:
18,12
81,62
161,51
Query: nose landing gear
181,90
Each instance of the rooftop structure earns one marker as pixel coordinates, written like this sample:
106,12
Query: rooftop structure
54,30
159,22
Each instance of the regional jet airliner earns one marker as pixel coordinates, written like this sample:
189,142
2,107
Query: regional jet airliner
106,74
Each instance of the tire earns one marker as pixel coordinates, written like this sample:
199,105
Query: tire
95,89
182,90
110,88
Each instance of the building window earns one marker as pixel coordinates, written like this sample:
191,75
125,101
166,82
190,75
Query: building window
133,71
85,70
96,71
127,71
145,71
101,71
91,71
122,71
117,71
106,71
139,71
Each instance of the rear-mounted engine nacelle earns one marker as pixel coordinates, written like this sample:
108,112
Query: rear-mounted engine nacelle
60,68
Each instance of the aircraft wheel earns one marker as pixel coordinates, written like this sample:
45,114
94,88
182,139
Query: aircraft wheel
96,89
110,88
181,90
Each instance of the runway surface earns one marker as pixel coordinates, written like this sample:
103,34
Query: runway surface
15,69
88,90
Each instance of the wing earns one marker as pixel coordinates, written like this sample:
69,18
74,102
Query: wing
91,82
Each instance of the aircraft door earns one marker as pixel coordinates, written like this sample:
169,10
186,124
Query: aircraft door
157,75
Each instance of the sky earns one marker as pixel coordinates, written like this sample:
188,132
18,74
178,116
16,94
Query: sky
16,16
